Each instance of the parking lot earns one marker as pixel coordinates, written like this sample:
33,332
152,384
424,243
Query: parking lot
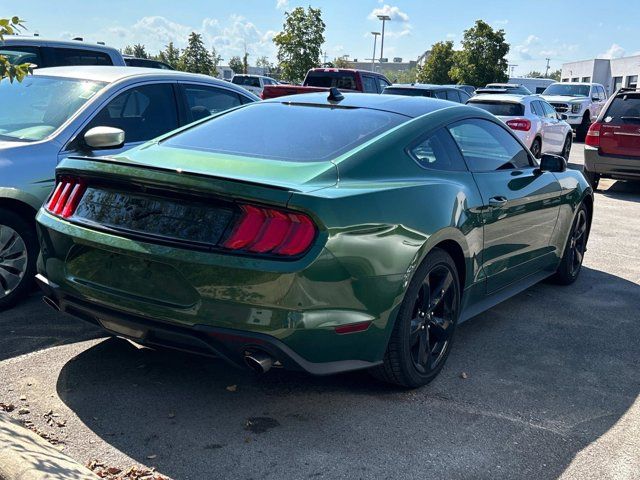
545,385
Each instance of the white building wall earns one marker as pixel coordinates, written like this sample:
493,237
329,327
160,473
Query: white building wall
603,71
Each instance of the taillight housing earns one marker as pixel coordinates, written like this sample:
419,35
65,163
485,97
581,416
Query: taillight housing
66,196
266,230
593,135
523,124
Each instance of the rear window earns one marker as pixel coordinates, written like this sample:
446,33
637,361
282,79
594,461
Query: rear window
504,109
625,107
344,80
408,92
303,133
246,81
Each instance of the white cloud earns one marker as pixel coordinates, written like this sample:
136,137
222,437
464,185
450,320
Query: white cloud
397,17
500,22
394,12
282,4
615,51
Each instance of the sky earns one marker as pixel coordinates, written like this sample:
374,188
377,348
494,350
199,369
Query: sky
562,30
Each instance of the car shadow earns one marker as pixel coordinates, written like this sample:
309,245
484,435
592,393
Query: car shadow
529,384
623,190
33,326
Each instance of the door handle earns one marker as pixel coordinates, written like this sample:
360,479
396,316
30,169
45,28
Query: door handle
498,201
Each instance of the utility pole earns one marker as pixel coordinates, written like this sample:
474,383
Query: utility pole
546,73
373,57
384,18
325,57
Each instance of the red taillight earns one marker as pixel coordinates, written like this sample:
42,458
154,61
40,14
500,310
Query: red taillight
352,327
523,124
270,230
593,135
66,197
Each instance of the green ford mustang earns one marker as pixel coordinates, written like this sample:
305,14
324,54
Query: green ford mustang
321,233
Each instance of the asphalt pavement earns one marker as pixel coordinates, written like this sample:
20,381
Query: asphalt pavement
543,386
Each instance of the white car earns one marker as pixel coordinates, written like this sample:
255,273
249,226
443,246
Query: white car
532,119
254,83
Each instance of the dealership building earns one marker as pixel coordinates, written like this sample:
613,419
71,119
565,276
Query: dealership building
613,74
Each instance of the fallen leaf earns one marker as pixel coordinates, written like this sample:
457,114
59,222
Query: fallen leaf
7,407
151,457
23,397
171,415
232,388
113,470
23,411
464,375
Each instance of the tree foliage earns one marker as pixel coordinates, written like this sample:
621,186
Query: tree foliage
235,64
11,26
403,76
170,55
341,62
555,75
195,58
216,58
482,59
534,74
300,42
437,67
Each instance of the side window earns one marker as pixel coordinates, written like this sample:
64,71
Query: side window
369,84
382,84
487,146
439,94
205,101
78,56
464,96
17,54
549,111
143,112
438,152
603,95
536,108
453,96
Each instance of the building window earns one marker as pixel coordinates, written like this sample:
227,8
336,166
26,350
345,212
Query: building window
586,79
617,83
565,79
632,81
575,79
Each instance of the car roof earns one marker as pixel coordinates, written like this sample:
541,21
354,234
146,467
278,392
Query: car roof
402,105
112,74
576,83
507,98
503,85
21,40
421,86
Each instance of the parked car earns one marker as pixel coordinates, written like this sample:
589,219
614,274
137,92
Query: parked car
322,79
132,61
502,88
532,119
65,111
425,90
254,83
58,53
612,144
580,102
534,85
248,248
469,89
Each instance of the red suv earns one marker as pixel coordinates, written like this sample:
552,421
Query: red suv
612,144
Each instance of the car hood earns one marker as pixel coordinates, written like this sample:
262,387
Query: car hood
563,98
296,176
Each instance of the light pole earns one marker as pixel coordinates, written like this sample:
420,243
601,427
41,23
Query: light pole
373,57
384,18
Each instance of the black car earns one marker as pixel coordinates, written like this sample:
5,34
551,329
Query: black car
146,63
442,92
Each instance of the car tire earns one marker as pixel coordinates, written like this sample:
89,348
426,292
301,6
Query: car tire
18,254
423,332
536,148
566,149
574,251
592,177
583,128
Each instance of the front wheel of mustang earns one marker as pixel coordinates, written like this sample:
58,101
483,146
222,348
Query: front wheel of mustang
423,332
571,262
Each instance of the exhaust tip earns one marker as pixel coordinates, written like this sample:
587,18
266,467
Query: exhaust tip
51,302
259,362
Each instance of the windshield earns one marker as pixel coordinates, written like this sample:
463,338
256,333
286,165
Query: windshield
343,80
246,81
35,108
500,109
408,92
568,90
303,133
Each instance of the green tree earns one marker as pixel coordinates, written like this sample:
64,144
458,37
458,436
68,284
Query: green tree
534,74
127,50
340,62
11,26
482,59
437,67
555,75
196,58
139,51
402,76
264,63
300,42
235,64
170,55
216,58
245,63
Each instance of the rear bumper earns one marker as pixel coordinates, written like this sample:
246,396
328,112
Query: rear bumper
622,168
224,343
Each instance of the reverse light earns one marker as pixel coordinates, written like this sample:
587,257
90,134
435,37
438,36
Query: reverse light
66,196
523,124
593,135
269,230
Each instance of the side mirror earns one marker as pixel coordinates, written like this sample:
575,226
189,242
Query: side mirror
563,116
104,137
595,99
552,163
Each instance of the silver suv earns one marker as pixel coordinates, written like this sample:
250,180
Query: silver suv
581,103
